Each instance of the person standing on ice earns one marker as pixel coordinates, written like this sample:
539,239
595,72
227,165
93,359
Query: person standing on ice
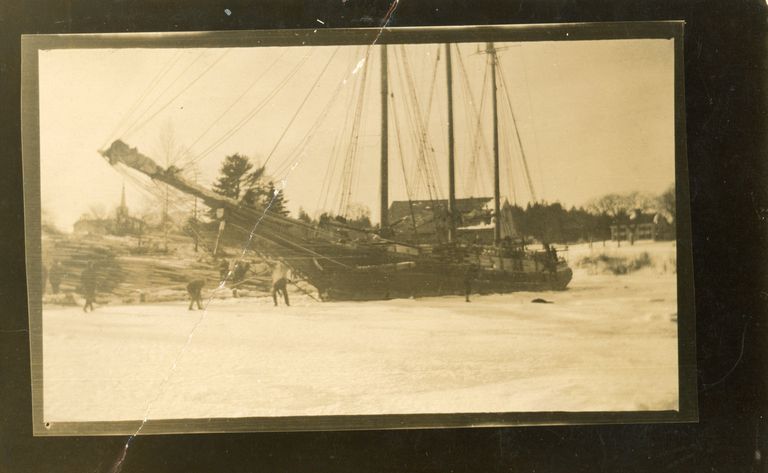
238,276
280,279
195,290
223,270
55,275
88,282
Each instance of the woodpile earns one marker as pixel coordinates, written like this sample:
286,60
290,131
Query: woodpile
127,277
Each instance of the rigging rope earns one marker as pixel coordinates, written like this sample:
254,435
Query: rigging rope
265,215
330,170
478,138
432,87
138,127
237,100
285,166
301,105
144,94
506,145
425,151
254,111
418,173
428,150
402,164
517,134
166,89
349,168
537,154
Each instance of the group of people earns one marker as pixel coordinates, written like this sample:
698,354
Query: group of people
237,276
88,281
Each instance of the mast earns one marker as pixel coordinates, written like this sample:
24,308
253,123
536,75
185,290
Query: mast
384,204
490,49
451,170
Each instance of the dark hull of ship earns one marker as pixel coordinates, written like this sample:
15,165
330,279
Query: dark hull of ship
435,280
351,272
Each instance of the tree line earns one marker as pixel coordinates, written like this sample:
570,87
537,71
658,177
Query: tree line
240,179
553,223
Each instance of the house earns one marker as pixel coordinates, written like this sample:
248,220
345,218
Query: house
91,226
642,226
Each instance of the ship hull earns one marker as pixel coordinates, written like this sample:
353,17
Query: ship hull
438,280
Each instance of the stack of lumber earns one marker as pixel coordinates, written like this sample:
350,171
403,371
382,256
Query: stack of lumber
126,275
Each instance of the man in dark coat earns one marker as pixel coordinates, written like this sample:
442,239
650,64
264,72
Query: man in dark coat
88,281
223,270
195,290
56,274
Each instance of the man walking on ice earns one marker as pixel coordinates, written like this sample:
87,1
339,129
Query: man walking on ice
88,282
195,288
280,278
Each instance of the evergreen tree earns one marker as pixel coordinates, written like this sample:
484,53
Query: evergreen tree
240,181
275,199
237,178
304,216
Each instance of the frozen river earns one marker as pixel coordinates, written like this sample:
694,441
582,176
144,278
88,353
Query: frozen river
607,343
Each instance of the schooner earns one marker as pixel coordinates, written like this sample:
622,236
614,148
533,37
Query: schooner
378,265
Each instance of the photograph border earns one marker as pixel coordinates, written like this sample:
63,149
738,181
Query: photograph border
31,44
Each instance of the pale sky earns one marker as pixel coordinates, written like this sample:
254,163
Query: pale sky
594,117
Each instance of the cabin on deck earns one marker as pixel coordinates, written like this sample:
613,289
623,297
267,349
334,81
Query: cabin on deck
483,233
428,221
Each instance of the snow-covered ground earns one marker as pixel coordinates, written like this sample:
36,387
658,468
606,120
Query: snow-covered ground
607,343
658,250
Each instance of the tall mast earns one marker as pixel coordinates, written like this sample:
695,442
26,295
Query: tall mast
384,205
451,169
496,192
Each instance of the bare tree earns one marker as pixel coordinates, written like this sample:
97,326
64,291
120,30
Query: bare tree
666,204
618,205
613,205
97,211
173,153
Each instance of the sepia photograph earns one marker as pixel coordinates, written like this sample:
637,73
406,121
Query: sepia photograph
339,226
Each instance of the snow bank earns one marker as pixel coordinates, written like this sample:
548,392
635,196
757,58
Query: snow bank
657,257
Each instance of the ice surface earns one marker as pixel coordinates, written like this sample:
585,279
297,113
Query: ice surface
608,343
